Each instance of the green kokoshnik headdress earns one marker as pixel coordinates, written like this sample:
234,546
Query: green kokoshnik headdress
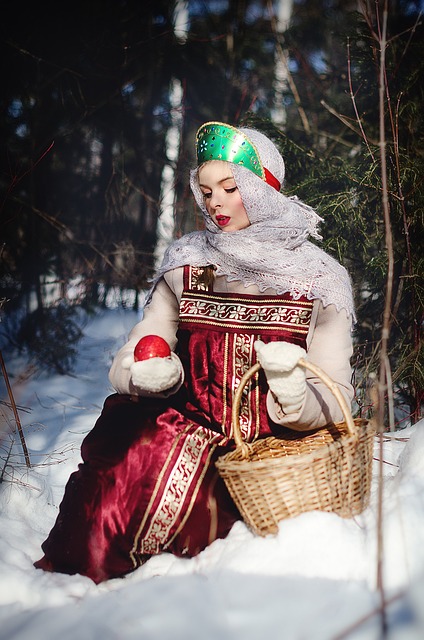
219,141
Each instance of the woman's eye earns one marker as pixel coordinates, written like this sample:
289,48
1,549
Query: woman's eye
207,195
231,190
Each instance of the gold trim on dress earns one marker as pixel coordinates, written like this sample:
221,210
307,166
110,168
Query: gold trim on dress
224,384
257,313
174,495
189,508
242,361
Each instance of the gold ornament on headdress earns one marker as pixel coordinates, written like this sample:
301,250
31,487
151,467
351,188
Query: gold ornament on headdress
219,141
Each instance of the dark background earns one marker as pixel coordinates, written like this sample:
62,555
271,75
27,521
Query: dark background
85,111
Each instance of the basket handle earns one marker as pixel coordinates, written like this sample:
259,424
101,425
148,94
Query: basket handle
306,365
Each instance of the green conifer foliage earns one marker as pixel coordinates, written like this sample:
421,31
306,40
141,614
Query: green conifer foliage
336,167
87,206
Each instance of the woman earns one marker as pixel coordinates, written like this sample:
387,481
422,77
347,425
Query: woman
250,286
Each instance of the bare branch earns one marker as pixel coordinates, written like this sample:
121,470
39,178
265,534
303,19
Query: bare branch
346,121
284,59
15,410
352,96
384,374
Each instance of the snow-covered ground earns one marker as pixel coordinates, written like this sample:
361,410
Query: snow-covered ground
315,580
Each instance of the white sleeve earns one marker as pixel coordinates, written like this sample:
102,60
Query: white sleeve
160,318
330,349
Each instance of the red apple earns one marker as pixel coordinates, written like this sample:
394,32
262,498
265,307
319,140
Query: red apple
151,347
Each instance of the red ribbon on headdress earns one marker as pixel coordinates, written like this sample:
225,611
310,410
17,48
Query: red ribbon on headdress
271,180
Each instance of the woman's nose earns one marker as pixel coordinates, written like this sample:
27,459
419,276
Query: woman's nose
215,201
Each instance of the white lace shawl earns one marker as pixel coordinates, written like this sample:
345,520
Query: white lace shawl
274,251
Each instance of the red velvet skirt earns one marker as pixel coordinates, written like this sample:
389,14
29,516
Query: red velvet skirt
147,484
148,481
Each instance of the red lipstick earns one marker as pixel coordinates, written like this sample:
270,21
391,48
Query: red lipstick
222,220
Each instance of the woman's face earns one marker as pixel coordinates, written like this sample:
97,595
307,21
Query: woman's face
221,195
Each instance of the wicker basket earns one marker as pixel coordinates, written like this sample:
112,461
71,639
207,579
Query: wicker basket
280,477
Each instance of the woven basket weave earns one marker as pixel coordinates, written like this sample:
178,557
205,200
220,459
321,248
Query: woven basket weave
280,477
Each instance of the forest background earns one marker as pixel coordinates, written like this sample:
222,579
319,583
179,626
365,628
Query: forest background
100,102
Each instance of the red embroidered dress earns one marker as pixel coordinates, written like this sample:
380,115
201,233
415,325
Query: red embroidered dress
148,482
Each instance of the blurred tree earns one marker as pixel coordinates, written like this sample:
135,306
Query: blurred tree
85,93
87,109
334,164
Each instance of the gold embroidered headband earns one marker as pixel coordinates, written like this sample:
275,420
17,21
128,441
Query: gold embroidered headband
219,141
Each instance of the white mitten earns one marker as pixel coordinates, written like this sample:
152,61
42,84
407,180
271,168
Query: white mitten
155,374
286,381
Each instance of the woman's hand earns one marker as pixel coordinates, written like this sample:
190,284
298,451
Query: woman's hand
155,374
286,381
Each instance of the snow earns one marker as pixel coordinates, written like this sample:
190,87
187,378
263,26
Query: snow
316,579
